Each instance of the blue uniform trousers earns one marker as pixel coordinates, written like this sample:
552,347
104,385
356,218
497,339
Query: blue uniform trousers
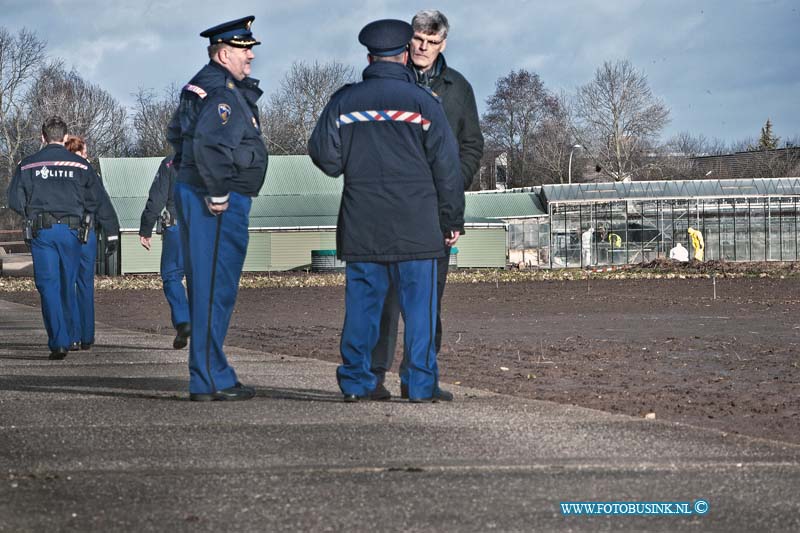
367,286
55,253
383,353
214,249
81,310
172,275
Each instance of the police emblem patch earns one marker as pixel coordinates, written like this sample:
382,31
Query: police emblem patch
224,111
44,173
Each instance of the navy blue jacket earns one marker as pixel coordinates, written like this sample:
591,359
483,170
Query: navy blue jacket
161,196
56,181
402,177
216,134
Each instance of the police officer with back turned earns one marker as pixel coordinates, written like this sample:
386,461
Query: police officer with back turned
402,191
222,161
52,189
160,207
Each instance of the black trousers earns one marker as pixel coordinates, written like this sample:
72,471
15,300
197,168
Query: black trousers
383,353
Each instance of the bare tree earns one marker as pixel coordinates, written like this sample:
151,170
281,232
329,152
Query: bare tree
553,142
150,120
619,119
675,158
517,112
289,116
88,110
20,60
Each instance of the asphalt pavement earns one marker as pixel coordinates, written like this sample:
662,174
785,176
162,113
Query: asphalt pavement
106,440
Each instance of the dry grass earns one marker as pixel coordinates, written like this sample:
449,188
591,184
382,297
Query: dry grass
659,269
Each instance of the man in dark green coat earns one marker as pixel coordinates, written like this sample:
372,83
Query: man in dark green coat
458,100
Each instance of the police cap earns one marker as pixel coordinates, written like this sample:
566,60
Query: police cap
235,33
387,37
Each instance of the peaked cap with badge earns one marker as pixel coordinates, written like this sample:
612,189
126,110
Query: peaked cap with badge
234,33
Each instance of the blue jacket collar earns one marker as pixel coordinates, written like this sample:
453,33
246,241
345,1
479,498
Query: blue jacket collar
385,69
215,75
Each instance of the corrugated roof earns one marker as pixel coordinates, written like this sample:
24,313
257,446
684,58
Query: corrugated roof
290,211
505,204
273,211
128,176
129,211
654,190
286,174
296,174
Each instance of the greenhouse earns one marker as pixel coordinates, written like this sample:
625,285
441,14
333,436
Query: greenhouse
592,224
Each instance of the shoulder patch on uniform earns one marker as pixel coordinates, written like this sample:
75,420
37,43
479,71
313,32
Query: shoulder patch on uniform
224,111
195,89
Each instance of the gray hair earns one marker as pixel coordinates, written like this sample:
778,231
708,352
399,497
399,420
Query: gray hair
214,48
431,22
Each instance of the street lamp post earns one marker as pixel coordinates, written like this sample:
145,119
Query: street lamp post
569,170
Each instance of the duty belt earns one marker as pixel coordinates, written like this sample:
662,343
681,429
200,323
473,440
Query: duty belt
46,221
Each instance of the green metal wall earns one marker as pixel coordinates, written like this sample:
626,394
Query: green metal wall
482,248
258,252
292,250
277,251
137,260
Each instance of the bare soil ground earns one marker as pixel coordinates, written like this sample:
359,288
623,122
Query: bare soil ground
633,346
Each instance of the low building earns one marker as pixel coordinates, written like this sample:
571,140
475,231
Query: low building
295,213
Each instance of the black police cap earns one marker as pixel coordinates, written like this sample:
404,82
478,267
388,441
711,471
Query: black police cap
387,37
235,33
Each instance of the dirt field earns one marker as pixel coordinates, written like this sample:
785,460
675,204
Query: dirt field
626,346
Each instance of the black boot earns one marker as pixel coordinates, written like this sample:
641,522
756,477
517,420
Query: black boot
184,330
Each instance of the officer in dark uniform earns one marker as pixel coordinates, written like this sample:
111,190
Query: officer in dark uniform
221,161
402,190
52,189
160,207
81,316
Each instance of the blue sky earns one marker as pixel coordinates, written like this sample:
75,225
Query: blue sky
722,67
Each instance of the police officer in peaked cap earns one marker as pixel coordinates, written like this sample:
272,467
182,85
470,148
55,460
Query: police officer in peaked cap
403,190
221,162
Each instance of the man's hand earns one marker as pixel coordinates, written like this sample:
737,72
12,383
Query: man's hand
451,240
145,241
217,209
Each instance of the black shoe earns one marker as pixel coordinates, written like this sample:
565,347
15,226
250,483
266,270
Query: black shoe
440,395
238,392
75,346
423,400
380,394
58,354
86,345
184,330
